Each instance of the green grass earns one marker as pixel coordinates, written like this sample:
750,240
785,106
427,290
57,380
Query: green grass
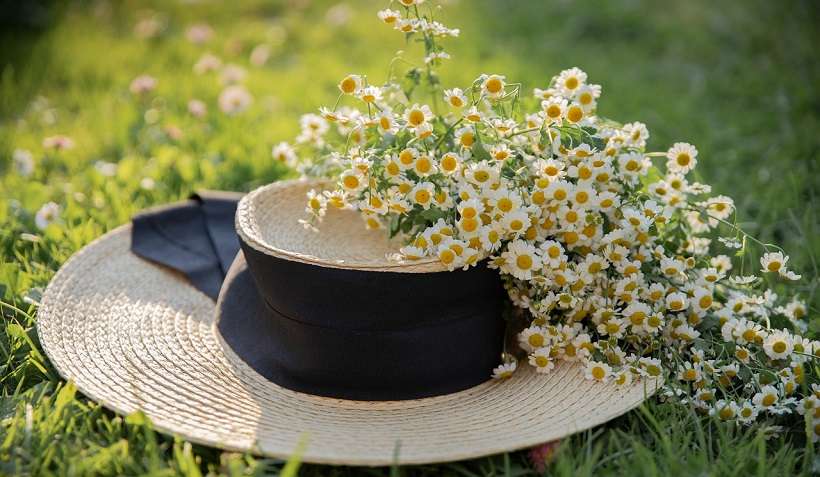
738,79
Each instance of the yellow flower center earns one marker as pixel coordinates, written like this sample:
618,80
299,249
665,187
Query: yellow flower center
705,301
469,225
494,85
541,361
571,237
768,400
585,98
575,114
779,347
447,256
416,117
637,318
582,197
423,165
536,340
554,111
524,262
348,85
683,159
422,196
406,157
571,82
598,373
690,374
560,194
449,163
504,204
481,176
774,266
456,101
467,139
351,182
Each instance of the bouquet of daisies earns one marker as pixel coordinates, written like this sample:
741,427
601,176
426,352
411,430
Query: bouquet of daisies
606,246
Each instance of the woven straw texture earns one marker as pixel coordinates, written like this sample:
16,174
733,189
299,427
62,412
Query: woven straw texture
267,219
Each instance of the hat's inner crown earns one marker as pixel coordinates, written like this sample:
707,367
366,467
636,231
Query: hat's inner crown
268,220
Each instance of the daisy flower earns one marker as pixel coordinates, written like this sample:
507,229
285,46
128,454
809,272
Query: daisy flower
767,397
724,410
574,113
676,301
370,94
682,158
554,109
505,370
747,412
540,358
234,99
597,370
352,180
490,238
350,84
775,262
422,194
387,121
651,366
465,137
388,16
316,203
586,97
423,166
473,115
455,97
569,81
493,86
23,162
47,214
450,163
417,115
521,259
778,345
284,153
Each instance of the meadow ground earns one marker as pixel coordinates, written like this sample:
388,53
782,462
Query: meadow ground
738,79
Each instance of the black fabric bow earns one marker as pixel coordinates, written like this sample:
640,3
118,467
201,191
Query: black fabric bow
195,237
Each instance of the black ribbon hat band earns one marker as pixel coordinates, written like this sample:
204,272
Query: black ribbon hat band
333,332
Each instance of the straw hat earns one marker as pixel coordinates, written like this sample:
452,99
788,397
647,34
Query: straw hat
136,336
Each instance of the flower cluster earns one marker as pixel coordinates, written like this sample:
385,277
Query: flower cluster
607,247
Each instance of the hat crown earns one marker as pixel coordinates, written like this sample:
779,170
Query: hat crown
327,313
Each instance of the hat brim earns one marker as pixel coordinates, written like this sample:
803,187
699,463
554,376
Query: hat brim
137,337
